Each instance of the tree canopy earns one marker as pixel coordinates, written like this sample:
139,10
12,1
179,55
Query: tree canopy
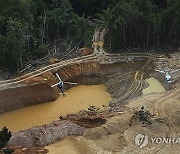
29,29
142,24
5,136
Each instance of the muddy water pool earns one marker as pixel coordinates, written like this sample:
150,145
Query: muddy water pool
155,86
77,98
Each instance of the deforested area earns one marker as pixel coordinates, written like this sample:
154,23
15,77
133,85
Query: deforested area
89,76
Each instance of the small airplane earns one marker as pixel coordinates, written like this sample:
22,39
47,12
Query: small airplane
60,85
167,75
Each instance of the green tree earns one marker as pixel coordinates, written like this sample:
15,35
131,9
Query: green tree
16,38
141,24
5,136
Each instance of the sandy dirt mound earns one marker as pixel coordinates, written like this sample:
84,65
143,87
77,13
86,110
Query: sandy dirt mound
85,51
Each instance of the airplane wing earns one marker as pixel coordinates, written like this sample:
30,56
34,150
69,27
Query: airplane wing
54,85
58,77
71,83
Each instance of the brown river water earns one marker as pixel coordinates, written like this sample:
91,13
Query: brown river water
77,98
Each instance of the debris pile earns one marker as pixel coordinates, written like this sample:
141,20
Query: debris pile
88,119
93,110
143,116
92,117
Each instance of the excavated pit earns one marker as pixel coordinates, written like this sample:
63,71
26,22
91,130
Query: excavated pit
37,90
78,98
117,77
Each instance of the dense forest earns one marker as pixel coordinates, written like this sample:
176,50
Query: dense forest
31,29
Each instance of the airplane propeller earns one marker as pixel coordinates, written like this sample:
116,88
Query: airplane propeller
61,84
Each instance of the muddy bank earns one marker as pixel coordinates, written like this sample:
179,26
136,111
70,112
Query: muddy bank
45,134
116,77
72,124
78,98
19,97
38,90
118,134
67,145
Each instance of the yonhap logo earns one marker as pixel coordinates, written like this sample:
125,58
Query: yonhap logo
141,140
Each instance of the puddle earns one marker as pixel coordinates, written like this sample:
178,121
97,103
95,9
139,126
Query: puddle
154,86
77,98
68,146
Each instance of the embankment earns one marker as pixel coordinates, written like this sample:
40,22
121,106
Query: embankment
45,134
40,91
18,97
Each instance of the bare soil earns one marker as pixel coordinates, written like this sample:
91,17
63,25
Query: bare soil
118,134
125,83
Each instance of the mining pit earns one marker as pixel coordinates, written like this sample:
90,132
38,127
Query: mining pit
78,98
119,89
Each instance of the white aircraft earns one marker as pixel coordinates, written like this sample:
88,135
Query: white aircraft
167,75
60,84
